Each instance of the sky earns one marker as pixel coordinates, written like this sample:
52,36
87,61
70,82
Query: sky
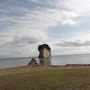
62,24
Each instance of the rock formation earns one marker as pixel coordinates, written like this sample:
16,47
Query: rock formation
33,62
44,51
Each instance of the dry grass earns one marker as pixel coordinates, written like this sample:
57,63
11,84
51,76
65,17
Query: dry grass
40,78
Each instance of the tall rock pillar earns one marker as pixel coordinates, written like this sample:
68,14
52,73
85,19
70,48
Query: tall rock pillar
44,51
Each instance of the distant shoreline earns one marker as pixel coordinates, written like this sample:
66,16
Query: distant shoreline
40,66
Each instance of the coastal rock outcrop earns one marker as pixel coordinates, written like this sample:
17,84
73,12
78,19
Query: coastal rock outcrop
33,62
44,51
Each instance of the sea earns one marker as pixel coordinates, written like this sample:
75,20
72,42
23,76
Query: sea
59,60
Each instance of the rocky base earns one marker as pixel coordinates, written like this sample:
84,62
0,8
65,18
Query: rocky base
33,62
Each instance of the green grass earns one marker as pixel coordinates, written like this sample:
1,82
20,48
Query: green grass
45,79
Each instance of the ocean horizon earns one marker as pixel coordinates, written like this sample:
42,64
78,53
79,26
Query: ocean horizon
57,60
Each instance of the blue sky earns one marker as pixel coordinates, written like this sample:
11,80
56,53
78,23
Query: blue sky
63,24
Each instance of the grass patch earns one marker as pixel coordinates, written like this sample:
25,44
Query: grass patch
45,79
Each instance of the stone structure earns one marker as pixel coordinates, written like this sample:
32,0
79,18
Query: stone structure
44,51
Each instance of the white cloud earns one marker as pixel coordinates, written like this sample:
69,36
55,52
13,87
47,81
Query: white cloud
70,22
31,28
75,44
36,23
80,6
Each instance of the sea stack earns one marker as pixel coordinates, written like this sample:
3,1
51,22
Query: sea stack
33,62
44,51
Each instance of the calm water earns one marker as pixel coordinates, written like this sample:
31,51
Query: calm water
56,60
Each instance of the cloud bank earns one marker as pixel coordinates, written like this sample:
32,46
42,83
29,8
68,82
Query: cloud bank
24,24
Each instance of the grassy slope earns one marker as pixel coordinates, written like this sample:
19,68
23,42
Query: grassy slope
45,79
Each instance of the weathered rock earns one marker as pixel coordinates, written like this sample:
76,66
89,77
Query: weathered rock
44,51
33,62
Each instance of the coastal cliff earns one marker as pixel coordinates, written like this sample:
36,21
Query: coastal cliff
44,51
